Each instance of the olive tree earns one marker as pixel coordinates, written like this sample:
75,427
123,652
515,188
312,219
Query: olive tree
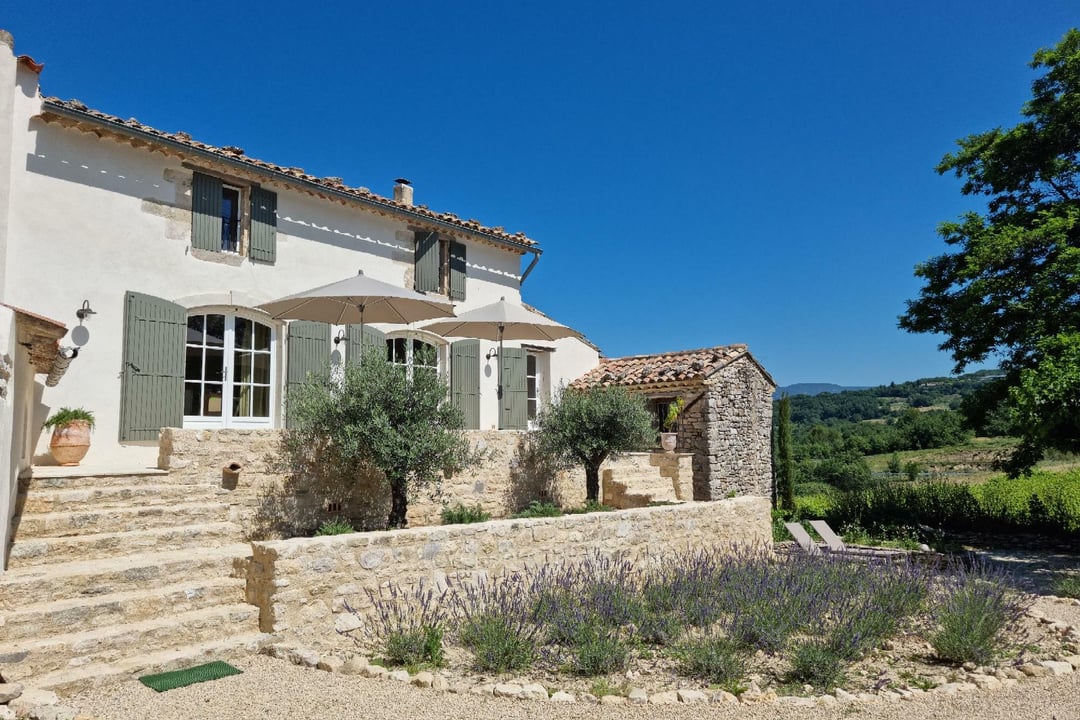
379,415
587,426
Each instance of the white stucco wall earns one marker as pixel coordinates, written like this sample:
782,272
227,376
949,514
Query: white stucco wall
93,218
9,453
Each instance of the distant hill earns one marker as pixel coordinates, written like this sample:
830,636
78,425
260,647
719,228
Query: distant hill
814,389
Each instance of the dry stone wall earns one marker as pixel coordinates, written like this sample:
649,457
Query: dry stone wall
739,431
303,585
269,502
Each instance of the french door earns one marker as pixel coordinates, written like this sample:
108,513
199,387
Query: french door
228,372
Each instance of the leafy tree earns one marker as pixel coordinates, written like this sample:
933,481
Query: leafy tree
784,462
1009,284
847,471
1047,400
586,427
382,416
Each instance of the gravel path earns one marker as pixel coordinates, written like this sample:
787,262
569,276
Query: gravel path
275,689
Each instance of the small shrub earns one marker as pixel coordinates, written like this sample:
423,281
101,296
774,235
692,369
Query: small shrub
596,652
912,470
337,526
603,687
537,509
66,415
816,664
714,659
590,506
974,613
415,647
1067,586
496,644
460,515
894,465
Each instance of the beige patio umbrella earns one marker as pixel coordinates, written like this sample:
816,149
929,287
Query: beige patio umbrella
499,321
358,299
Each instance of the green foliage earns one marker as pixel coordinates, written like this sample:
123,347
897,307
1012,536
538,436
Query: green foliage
460,515
845,472
814,663
1066,586
65,416
912,470
673,411
537,509
380,415
1044,502
783,460
894,464
415,647
497,644
586,427
590,506
713,659
974,613
337,526
597,651
1007,285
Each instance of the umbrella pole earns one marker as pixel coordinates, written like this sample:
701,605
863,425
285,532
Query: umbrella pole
500,393
360,360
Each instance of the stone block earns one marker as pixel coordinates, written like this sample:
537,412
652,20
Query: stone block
562,697
534,691
423,679
507,690
9,691
1057,667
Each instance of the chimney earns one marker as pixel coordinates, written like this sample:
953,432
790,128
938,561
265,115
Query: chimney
403,191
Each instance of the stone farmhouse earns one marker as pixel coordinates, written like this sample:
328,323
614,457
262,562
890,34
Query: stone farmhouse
726,421
132,262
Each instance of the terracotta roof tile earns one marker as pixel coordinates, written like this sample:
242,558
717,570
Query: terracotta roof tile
682,366
236,155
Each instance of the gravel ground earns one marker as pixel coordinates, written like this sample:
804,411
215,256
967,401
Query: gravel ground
275,689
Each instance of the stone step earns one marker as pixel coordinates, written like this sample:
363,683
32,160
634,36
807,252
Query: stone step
76,679
75,482
25,659
56,617
21,587
42,551
84,522
96,498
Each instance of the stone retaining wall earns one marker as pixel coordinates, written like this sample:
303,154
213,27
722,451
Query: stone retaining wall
269,503
302,585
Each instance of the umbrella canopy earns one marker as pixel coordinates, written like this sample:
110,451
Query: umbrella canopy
358,299
501,321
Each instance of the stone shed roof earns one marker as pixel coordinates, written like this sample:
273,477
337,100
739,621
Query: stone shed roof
683,367
73,112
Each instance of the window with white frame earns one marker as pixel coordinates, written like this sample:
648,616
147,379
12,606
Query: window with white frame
412,353
228,371
536,385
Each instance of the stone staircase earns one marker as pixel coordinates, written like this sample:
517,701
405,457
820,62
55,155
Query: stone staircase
121,573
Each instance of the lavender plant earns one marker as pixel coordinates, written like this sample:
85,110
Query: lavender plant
407,623
714,659
496,622
975,610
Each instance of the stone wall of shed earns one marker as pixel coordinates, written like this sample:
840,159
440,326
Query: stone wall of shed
739,434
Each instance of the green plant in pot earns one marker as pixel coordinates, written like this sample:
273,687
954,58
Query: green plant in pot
669,439
71,434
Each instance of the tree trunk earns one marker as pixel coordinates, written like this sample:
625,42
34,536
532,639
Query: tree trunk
399,504
592,482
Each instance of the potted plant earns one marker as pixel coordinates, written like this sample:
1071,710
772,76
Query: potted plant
669,438
71,434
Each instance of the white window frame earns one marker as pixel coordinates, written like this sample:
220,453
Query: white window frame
542,365
436,341
226,419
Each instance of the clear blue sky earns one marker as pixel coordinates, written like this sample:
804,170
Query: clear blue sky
698,173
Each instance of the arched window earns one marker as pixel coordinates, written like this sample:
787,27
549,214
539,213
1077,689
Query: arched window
413,353
228,371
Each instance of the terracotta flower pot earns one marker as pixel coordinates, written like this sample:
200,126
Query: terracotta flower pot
70,442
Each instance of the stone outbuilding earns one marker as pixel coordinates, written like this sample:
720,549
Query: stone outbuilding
727,419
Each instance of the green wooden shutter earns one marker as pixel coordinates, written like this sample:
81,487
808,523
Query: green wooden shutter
205,212
152,379
465,380
514,407
372,338
263,246
426,262
457,271
309,354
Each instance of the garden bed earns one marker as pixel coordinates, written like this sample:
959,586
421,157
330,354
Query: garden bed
748,622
